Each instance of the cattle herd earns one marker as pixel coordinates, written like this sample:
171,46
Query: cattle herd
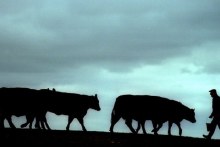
34,104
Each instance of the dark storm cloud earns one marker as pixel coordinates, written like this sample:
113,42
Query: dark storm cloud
52,36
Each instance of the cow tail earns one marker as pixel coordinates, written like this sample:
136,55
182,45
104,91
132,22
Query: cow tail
113,115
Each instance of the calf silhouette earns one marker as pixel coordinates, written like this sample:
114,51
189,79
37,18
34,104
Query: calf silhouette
146,107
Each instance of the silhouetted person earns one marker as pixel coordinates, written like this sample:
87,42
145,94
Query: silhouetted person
215,115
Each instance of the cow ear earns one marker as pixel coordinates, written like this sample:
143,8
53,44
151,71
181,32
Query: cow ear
96,95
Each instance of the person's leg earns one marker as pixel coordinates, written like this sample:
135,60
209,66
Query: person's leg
212,129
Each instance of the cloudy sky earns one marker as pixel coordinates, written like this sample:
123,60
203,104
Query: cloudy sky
113,47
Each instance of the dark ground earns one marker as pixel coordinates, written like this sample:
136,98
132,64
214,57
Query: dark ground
58,138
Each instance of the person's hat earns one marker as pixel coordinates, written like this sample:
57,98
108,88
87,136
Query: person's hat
212,91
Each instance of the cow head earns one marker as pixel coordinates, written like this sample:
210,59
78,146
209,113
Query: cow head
95,103
191,116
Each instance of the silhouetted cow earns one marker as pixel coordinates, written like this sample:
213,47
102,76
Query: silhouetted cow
19,102
175,114
71,104
146,107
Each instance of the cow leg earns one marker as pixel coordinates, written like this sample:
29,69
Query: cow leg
156,126
138,127
42,124
10,122
47,125
29,121
41,121
82,124
128,122
30,124
169,127
143,127
180,129
154,123
45,122
24,124
114,120
37,123
70,119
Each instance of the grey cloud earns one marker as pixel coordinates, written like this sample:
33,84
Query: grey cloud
11,7
52,36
